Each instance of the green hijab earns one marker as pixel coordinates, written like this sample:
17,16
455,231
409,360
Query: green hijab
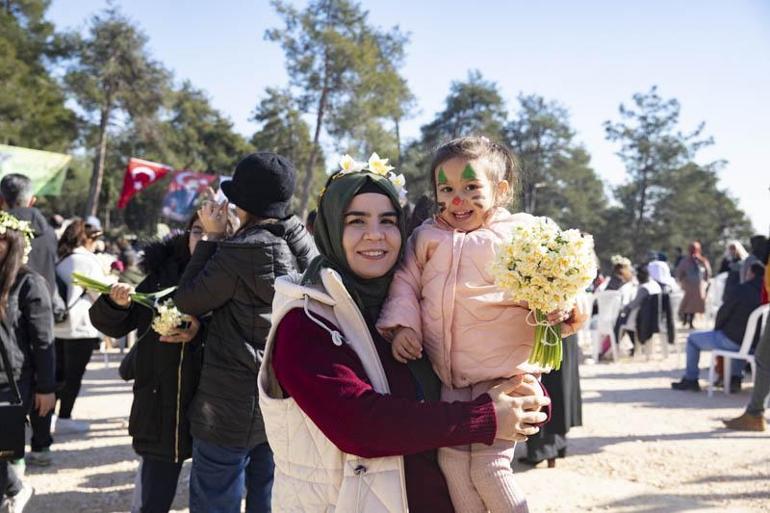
340,189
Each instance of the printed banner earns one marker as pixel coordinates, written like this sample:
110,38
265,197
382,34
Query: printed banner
140,174
46,169
184,189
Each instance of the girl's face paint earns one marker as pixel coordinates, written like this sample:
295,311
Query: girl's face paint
464,193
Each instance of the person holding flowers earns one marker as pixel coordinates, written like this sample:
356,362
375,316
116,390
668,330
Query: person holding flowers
446,300
350,426
232,277
164,364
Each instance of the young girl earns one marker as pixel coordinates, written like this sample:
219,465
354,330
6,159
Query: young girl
443,298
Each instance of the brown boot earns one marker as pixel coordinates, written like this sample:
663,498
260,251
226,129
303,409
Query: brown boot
747,422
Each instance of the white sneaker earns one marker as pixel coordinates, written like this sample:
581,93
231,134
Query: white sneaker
18,502
70,426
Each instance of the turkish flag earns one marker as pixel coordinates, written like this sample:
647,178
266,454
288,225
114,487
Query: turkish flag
139,174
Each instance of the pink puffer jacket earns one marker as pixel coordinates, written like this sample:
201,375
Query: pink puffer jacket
443,290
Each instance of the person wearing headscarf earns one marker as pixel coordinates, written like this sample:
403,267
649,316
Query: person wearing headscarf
330,385
693,273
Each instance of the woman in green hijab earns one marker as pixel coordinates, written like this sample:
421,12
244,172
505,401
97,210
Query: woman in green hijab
330,386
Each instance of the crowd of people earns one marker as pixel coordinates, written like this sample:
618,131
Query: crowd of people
307,358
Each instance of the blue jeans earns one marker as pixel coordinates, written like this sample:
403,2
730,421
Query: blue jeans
707,340
219,474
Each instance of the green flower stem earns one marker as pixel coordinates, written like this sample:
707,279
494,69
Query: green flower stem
547,350
144,299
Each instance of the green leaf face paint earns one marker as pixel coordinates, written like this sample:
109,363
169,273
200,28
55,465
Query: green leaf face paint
469,173
442,180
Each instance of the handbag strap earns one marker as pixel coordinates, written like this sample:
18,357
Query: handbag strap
7,361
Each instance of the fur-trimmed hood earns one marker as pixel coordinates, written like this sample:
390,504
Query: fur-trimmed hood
157,254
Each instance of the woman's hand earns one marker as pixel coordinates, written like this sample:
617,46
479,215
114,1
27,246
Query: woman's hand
120,294
515,415
213,217
183,335
45,403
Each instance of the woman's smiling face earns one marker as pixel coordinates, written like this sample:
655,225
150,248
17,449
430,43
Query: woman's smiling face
371,237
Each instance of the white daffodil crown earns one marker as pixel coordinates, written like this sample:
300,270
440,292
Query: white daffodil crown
620,260
9,222
376,165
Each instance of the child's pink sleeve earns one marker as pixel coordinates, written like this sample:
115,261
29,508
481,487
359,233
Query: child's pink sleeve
402,308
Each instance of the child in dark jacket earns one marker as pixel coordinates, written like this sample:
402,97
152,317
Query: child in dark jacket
233,278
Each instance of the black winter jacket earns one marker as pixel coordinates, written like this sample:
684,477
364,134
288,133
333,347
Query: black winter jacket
234,280
43,257
165,375
733,315
30,321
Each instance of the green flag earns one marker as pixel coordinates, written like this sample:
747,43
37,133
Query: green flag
46,169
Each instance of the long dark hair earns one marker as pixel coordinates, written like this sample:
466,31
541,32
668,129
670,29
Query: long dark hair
73,237
11,265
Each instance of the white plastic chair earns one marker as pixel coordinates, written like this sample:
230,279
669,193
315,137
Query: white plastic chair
585,303
760,312
716,289
609,304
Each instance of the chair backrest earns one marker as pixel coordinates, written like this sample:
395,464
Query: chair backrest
627,293
758,316
675,297
585,303
716,289
609,304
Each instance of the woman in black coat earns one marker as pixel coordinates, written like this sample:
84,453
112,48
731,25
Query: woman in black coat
165,369
563,386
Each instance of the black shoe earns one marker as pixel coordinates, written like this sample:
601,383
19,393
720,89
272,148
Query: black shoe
686,384
735,385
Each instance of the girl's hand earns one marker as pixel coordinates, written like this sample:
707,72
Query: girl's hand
120,294
213,217
183,335
558,316
515,415
406,345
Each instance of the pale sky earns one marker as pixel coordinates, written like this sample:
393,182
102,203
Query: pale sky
713,56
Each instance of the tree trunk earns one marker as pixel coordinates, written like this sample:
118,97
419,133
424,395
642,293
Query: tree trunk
98,173
398,144
637,242
308,180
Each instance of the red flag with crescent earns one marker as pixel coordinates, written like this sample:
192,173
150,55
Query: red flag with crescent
140,174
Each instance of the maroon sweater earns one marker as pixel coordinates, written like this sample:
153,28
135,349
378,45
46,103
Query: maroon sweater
329,384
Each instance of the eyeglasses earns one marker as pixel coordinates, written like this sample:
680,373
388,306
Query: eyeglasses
196,232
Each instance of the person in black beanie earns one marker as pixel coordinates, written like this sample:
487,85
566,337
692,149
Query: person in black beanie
233,278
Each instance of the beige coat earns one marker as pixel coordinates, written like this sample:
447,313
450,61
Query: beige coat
312,475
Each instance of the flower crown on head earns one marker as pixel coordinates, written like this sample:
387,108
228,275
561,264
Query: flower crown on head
9,222
620,260
375,165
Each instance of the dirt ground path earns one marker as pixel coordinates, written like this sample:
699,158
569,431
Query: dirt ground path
643,449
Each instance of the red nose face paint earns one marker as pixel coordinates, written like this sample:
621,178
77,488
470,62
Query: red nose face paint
456,201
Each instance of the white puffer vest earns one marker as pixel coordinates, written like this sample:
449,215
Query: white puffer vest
312,475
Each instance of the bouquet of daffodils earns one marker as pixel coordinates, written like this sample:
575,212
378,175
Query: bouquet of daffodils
166,316
169,318
546,267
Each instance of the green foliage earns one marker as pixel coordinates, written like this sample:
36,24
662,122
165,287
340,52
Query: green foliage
345,72
473,107
651,148
282,130
113,75
32,104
